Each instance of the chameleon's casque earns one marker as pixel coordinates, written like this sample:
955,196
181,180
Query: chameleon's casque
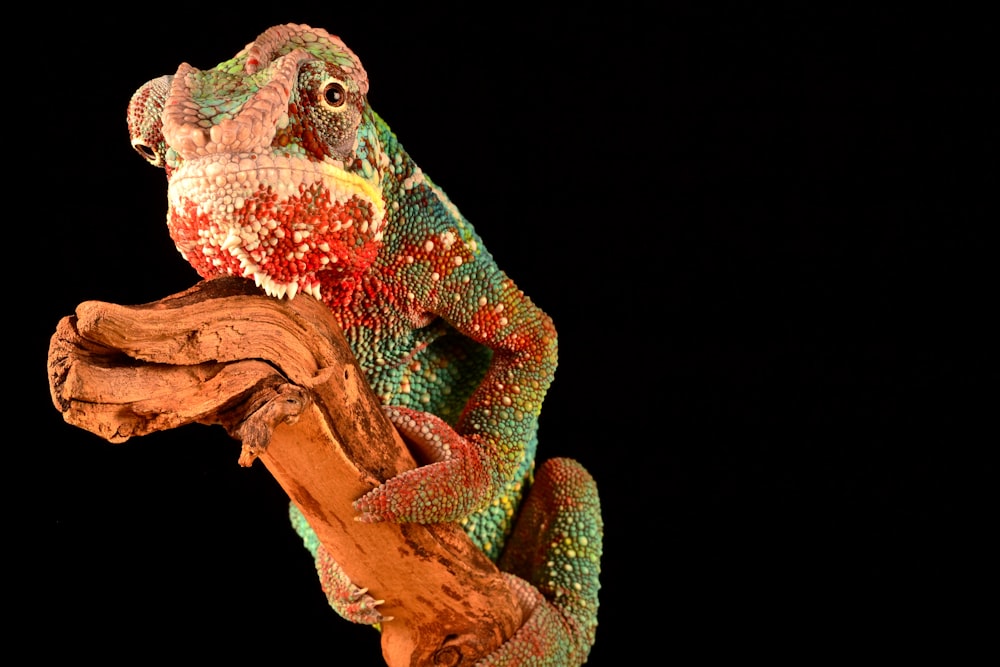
279,171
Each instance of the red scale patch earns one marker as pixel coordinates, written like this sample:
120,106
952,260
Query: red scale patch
331,247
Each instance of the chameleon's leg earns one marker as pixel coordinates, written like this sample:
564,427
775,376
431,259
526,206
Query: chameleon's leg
556,545
446,485
351,602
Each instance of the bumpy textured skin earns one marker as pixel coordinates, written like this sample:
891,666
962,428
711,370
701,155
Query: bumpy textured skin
279,171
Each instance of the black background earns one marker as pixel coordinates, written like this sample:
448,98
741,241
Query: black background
750,228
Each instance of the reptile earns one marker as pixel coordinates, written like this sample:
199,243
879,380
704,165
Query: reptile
279,171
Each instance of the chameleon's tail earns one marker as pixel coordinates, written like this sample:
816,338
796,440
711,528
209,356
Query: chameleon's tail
556,545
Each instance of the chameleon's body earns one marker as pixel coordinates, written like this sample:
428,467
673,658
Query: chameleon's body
279,171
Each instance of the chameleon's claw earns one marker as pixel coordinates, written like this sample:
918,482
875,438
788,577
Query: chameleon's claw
361,591
360,607
350,601
366,508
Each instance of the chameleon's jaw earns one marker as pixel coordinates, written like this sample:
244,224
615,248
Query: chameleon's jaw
290,224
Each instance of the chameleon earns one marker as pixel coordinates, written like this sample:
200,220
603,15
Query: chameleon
279,171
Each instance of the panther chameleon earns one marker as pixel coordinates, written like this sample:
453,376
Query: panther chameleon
279,171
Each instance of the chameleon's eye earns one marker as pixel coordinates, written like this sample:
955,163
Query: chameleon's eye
333,94
329,110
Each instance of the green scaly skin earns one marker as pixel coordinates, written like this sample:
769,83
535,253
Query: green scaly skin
280,172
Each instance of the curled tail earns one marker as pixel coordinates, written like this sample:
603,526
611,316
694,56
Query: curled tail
555,547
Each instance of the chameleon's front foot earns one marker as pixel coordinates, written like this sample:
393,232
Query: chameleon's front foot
456,480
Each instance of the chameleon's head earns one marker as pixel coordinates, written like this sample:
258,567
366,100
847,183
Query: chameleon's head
270,160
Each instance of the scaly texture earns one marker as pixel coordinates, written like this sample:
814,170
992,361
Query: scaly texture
279,171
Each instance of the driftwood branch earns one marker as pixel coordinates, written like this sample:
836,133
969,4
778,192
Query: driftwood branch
279,376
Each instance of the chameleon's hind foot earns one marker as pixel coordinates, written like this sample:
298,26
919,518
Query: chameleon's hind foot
351,602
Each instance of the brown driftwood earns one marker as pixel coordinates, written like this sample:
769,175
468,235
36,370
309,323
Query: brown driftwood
279,376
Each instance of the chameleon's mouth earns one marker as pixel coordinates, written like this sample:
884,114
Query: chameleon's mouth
249,268
224,176
289,224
